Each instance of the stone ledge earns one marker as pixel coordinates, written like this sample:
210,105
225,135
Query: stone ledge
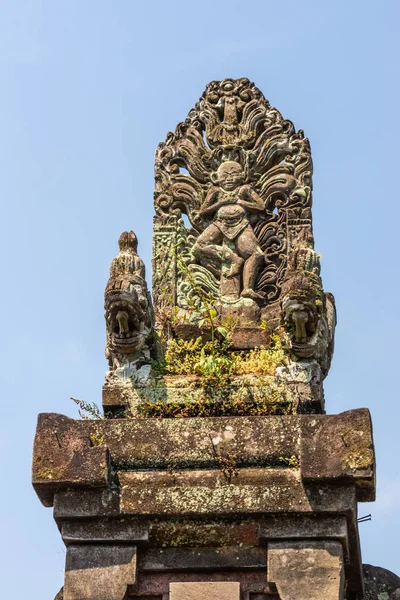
324,448
208,493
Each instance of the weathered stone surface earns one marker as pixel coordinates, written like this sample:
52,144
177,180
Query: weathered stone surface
251,581
63,459
189,532
80,504
200,559
248,251
298,527
380,584
129,314
340,446
300,392
99,572
325,448
252,491
307,570
206,589
104,530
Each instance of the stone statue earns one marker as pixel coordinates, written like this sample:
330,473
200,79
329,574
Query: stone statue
128,310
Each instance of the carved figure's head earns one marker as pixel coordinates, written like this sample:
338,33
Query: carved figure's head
127,317
128,241
230,175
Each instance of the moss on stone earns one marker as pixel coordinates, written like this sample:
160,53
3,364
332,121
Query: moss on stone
48,473
96,440
218,403
356,460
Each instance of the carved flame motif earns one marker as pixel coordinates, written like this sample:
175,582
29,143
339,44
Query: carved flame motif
234,123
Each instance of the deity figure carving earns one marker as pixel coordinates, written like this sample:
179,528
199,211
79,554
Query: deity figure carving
229,240
233,224
129,315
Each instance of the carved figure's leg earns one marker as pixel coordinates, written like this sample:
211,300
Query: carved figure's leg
250,272
231,272
307,570
249,249
235,263
209,246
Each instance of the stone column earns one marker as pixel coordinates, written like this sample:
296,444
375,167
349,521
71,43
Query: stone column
307,570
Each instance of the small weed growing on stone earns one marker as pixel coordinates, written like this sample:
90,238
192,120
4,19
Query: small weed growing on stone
88,410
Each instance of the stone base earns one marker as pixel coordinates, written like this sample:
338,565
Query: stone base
296,388
182,557
263,505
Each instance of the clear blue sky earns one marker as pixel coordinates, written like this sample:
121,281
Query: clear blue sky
88,89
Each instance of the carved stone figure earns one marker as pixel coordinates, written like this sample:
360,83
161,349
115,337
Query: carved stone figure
229,241
233,222
308,313
128,310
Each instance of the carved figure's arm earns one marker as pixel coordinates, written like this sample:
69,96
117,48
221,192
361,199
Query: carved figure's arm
250,200
211,204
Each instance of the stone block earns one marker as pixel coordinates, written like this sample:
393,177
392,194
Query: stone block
104,530
189,532
339,446
99,572
200,559
326,448
200,590
301,527
80,504
251,492
116,396
62,457
307,570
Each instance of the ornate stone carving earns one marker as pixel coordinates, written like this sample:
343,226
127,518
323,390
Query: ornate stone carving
308,313
129,315
233,220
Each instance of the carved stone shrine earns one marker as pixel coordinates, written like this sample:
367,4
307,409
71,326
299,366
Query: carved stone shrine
214,471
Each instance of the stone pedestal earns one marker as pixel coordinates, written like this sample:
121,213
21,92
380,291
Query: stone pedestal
300,385
249,507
